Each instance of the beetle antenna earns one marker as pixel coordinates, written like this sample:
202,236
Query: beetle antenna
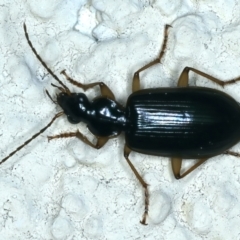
60,88
42,62
33,137
55,102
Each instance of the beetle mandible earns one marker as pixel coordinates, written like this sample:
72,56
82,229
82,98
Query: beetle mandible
181,123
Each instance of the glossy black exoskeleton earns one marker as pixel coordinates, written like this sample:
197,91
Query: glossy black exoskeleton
189,122
104,117
180,123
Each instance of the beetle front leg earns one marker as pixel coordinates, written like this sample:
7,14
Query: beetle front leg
136,78
184,78
127,151
101,141
177,164
105,90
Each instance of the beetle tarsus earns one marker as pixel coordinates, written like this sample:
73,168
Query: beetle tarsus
143,222
145,214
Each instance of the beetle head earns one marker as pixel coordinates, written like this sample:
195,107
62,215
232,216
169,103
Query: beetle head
74,105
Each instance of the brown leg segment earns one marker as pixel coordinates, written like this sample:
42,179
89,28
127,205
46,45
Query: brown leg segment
235,154
184,78
136,78
100,140
127,151
177,164
105,91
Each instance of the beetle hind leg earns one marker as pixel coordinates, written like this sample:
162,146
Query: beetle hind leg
127,151
235,154
184,78
177,164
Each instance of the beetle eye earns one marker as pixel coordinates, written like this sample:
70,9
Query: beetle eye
73,120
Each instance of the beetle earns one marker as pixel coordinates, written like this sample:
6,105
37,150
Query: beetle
180,123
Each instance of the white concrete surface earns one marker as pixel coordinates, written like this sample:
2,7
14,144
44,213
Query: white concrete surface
66,190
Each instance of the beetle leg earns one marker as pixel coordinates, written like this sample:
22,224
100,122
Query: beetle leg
235,154
100,140
136,78
177,164
183,79
127,151
105,90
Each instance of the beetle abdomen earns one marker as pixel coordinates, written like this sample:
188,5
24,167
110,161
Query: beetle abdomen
192,122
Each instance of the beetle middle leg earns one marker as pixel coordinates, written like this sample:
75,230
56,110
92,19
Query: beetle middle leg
184,78
136,78
105,90
127,151
101,141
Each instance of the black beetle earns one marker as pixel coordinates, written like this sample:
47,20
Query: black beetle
180,123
